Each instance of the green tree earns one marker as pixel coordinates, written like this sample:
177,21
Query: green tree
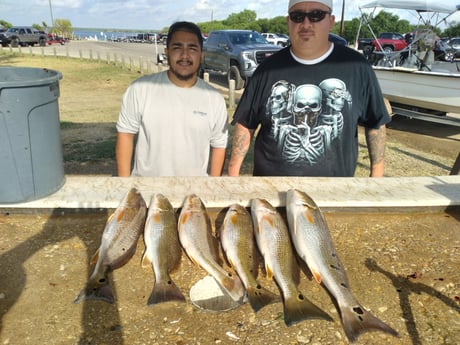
240,20
5,24
62,27
452,31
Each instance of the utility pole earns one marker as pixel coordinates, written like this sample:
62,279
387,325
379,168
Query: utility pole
51,11
342,23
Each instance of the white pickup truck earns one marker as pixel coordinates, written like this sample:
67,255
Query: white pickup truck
276,39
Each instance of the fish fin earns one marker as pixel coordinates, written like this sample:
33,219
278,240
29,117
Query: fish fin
164,291
156,218
259,297
95,257
298,308
97,288
184,217
356,320
145,263
317,276
234,287
269,219
233,218
120,215
308,216
269,272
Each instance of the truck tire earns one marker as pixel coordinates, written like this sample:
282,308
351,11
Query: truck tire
14,42
234,73
388,49
42,42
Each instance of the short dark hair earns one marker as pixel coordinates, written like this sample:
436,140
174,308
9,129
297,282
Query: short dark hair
187,27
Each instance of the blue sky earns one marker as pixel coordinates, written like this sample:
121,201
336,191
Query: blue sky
151,14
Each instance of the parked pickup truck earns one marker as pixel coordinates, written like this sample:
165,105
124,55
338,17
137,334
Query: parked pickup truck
236,53
23,36
389,41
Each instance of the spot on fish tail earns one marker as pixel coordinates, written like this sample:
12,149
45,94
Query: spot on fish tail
344,285
359,312
300,297
169,282
120,215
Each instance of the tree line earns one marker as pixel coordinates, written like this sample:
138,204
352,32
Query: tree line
247,19
382,22
61,27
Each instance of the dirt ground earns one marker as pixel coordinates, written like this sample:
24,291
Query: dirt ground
403,267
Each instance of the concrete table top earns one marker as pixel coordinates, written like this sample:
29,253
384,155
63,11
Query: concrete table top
95,192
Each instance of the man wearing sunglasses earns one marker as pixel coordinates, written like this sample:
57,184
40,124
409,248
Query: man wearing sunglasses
309,99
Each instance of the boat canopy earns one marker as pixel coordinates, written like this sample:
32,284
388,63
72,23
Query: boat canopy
415,5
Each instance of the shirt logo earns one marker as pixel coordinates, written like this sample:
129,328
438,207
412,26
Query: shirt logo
199,113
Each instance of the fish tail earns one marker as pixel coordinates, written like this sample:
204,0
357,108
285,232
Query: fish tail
164,291
298,308
96,289
357,320
234,287
259,297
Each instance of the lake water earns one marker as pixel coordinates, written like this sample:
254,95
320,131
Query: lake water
109,35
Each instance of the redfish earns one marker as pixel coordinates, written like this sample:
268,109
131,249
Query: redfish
238,242
162,249
201,246
273,240
118,245
313,242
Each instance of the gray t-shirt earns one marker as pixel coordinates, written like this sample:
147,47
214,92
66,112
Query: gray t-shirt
176,126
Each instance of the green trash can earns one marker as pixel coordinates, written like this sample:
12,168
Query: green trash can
31,157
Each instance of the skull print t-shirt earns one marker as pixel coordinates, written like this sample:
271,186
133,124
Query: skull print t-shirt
309,113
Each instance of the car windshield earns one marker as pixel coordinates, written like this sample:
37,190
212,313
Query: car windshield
246,38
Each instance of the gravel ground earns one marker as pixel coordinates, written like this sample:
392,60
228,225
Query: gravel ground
403,267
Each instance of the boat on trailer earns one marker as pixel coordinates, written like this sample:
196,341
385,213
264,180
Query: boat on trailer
415,84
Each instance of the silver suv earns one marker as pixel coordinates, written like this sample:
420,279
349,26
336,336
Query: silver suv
24,36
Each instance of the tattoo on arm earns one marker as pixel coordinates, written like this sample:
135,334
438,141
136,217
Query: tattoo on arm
375,139
239,144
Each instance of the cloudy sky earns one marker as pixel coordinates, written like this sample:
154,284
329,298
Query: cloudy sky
149,14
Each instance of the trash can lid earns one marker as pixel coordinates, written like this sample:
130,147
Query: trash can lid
27,76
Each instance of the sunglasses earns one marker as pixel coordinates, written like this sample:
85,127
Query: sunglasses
313,16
